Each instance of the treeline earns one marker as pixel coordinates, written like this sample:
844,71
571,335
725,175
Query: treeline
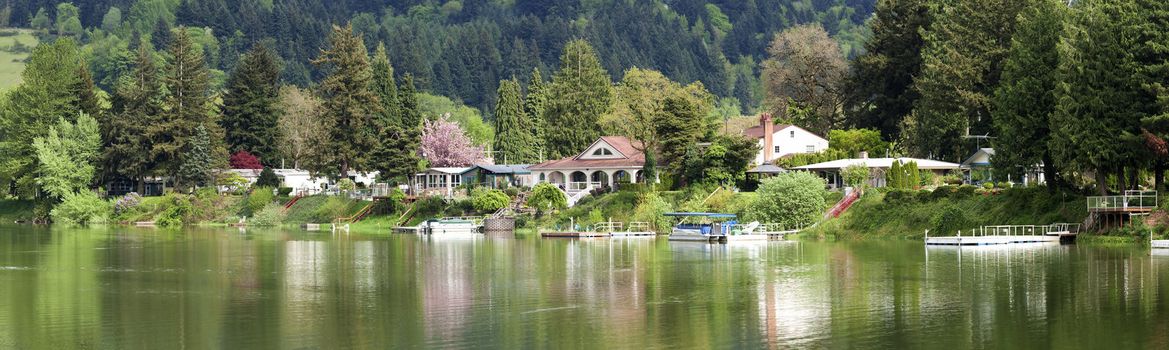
461,49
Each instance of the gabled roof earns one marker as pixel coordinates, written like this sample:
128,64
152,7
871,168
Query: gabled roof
970,161
629,157
922,164
756,132
448,170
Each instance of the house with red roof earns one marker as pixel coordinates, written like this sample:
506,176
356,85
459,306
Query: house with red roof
778,141
607,161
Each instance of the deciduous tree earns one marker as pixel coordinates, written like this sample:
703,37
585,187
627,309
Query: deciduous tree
445,145
806,70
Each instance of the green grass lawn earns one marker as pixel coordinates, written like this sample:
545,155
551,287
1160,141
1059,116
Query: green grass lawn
12,64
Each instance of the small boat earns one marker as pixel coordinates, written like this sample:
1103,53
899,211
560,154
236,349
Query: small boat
712,227
450,226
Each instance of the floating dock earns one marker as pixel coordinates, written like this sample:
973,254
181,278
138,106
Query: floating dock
586,234
1160,243
1010,234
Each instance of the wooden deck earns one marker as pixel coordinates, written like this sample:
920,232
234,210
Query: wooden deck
585,234
1010,234
990,240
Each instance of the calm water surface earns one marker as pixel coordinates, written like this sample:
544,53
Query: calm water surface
197,289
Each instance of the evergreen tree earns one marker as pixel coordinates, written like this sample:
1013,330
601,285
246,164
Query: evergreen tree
46,94
1025,99
349,104
1153,74
1098,108
914,176
87,100
881,90
514,142
251,105
580,94
136,103
534,103
396,157
197,163
161,35
679,126
894,176
961,61
187,107
386,89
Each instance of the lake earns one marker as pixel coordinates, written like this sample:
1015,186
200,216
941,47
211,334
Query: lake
130,288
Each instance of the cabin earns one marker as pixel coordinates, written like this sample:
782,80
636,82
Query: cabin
440,181
302,181
777,141
607,162
979,168
499,176
832,170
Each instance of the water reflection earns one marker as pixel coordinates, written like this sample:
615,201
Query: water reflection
143,288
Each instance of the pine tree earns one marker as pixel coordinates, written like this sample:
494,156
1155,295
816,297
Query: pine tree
87,100
1025,99
881,90
514,142
678,127
136,103
196,167
579,95
386,89
894,176
1098,108
914,176
186,108
534,103
396,157
964,50
250,105
1153,74
349,104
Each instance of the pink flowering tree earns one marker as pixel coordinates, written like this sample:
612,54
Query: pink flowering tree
444,144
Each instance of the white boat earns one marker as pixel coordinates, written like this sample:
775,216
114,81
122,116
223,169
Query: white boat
450,226
712,227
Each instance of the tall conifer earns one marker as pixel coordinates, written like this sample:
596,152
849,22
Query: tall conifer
349,103
514,141
579,95
251,105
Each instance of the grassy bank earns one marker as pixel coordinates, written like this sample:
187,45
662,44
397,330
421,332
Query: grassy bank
11,59
880,214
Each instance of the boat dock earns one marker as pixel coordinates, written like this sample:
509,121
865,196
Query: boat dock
1010,234
1159,243
605,230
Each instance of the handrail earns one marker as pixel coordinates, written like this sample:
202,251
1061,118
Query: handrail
638,226
1128,200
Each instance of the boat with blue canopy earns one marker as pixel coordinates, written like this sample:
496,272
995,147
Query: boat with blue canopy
712,227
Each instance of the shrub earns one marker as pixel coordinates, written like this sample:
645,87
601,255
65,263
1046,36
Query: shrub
428,207
651,209
346,185
81,208
485,200
856,175
988,185
178,208
233,182
965,191
244,160
284,191
129,201
511,191
545,197
793,199
943,192
256,200
271,215
268,178
901,196
952,180
949,220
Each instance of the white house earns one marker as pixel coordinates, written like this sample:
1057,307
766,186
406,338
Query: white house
979,167
606,162
301,181
438,181
776,141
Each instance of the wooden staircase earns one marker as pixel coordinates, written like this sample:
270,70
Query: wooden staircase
293,201
518,206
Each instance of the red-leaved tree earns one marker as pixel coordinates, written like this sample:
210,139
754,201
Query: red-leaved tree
444,144
244,160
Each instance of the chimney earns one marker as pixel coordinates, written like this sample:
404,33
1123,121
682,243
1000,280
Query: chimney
768,137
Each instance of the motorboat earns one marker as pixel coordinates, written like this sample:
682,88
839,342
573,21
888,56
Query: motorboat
712,227
450,226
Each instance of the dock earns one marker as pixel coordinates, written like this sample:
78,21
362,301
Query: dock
1159,243
609,229
1010,234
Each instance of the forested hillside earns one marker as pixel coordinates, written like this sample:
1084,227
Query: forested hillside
462,49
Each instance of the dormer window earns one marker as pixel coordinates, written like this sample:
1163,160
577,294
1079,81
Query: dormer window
602,152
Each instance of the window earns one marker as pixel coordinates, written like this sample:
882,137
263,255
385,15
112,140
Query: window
603,152
793,133
777,149
811,149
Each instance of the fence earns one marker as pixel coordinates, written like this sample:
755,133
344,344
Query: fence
1130,200
1023,230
